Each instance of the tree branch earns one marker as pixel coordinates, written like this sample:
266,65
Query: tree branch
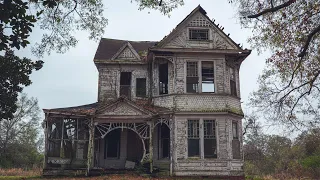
272,9
309,38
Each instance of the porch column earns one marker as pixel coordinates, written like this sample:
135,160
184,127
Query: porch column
151,146
90,156
45,126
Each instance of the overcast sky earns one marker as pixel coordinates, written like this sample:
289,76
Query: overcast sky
71,79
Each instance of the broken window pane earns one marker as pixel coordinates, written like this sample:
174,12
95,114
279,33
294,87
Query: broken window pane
192,77
55,129
198,34
207,73
163,78
233,87
210,142
141,87
235,130
193,138
125,84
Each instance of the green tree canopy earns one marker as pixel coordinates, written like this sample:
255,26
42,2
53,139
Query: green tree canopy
14,75
290,84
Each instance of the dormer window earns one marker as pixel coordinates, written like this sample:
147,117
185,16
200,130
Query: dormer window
199,34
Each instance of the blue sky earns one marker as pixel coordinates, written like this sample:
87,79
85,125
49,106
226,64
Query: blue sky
71,79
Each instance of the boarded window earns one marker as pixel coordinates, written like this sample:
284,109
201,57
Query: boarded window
192,77
210,142
207,76
163,78
125,84
198,34
233,86
112,144
141,87
193,138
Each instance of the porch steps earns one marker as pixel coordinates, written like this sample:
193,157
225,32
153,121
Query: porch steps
162,165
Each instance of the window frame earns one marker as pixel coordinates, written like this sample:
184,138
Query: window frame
198,29
202,138
199,76
235,135
192,76
214,138
194,137
138,93
233,81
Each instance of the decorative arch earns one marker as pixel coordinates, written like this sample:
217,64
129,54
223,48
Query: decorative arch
142,130
162,121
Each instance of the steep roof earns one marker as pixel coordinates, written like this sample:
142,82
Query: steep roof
186,19
109,47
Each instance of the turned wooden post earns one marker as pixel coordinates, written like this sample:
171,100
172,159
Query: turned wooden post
90,147
151,146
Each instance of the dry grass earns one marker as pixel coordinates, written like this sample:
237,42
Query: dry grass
20,172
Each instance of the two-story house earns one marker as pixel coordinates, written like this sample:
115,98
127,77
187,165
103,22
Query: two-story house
174,104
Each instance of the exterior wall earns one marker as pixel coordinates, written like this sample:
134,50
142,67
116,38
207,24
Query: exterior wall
223,165
199,102
109,80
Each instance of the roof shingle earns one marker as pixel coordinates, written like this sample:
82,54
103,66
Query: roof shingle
109,47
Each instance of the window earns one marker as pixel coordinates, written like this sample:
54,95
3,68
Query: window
125,84
210,142
192,77
112,144
207,76
233,87
163,78
235,130
141,87
235,141
193,138
199,34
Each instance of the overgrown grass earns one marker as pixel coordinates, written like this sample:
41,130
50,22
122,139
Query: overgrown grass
20,172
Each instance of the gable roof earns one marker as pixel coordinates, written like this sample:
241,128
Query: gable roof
185,20
109,47
124,47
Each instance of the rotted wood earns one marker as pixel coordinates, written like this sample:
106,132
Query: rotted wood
46,126
151,146
90,147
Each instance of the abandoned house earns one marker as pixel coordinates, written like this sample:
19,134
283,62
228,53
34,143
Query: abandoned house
174,104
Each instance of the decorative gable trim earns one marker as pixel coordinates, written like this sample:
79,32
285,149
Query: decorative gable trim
197,18
133,109
126,52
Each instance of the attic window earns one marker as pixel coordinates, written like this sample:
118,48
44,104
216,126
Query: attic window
199,34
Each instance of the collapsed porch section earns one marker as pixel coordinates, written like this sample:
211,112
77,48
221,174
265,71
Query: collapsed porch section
95,137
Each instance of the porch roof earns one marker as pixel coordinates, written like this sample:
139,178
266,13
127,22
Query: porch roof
91,109
86,109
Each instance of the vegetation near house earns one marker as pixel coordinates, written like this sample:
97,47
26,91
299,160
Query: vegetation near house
288,89
21,140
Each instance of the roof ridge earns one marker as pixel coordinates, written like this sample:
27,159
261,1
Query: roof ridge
128,40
